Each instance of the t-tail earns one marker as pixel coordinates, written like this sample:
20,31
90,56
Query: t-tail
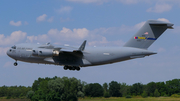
148,33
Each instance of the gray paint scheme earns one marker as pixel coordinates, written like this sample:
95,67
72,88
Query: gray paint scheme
136,47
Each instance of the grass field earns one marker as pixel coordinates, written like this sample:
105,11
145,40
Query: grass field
132,99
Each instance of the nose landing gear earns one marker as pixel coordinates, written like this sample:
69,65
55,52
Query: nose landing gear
15,63
72,68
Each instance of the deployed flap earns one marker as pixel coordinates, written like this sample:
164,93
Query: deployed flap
82,47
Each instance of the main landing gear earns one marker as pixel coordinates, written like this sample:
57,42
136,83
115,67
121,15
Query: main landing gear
72,68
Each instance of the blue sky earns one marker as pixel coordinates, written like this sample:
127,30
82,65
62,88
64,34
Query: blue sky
102,23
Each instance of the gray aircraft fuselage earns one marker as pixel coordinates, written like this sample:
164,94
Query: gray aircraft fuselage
74,58
91,56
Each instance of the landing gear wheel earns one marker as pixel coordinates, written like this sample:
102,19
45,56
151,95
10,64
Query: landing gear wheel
77,68
15,64
73,68
70,68
65,67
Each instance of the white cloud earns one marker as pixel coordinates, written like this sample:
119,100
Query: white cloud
18,23
98,36
77,35
41,18
50,19
139,25
163,19
66,33
40,38
15,37
58,36
123,29
65,9
160,8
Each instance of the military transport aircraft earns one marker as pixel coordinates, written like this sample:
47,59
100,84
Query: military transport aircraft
74,58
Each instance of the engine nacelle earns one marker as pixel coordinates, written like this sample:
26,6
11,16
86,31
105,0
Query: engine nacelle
45,52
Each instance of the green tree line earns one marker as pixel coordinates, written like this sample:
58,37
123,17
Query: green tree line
69,89
14,91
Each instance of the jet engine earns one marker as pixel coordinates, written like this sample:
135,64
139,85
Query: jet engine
45,52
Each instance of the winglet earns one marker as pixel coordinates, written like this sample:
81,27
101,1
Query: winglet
82,47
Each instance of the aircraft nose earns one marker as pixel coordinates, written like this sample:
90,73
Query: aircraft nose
8,52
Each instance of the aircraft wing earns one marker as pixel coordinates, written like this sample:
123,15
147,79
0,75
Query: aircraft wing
69,55
71,49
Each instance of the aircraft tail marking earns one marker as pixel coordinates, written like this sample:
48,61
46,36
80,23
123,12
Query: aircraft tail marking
148,33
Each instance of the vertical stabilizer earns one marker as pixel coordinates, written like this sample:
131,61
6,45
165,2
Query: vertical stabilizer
82,47
148,33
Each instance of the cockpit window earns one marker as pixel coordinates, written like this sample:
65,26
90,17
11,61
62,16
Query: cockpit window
13,47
